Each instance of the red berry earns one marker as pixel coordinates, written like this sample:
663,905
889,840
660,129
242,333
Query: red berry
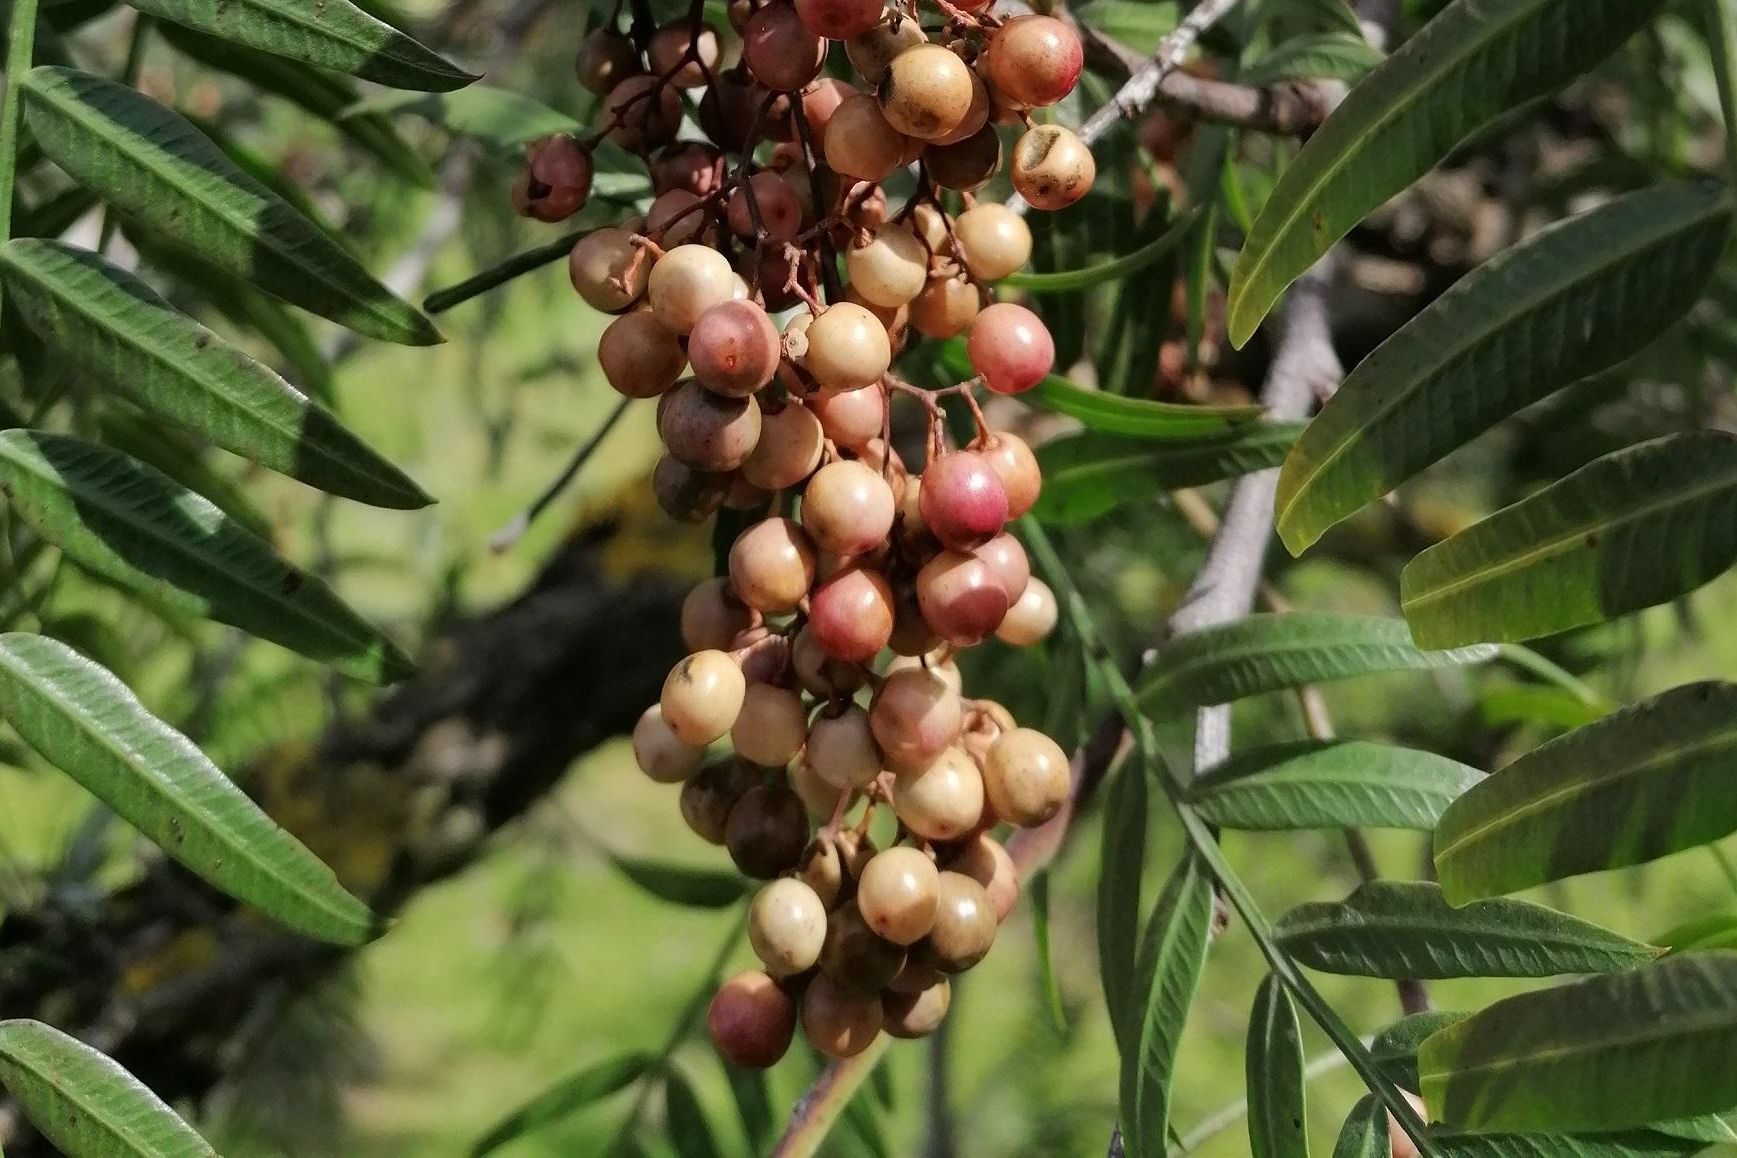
1010,347
851,614
734,348
751,1020
961,598
1035,60
963,502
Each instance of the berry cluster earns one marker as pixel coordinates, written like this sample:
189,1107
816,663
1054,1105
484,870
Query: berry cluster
783,210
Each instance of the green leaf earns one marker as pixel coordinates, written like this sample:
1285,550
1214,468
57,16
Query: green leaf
1715,931
1394,1049
1070,281
1331,784
1312,16
698,888
1365,1132
1038,894
565,1096
1607,1053
1628,1144
1406,929
1640,784
87,723
1277,1115
153,165
1626,531
689,1132
1332,56
135,527
1088,475
1468,66
86,1104
104,320
1574,300
1139,25
752,1094
1121,865
1172,957
1264,653
497,116
333,34
183,458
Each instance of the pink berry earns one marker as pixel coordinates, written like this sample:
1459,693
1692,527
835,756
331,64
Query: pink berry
963,502
851,614
1010,347
734,348
840,19
962,600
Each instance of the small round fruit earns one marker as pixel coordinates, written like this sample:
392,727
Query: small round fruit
777,202
915,716
791,444
662,754
851,614
673,219
1008,563
646,113
702,696
961,598
638,356
838,1022
926,91
841,749
890,269
860,142
686,494
772,566
787,927
852,418
781,52
686,59
767,831
943,801
712,616
1035,60
1026,777
771,727
963,502
985,861
820,798
914,1015
751,1020
831,864
976,114
1052,168
897,894
708,797
605,59
559,178
705,430
734,348
847,508
686,282
694,166
819,101
855,956
946,307
1013,463
994,240
873,52
1399,1142
966,164
839,19
818,673
607,269
964,927
848,348
1010,347
1031,618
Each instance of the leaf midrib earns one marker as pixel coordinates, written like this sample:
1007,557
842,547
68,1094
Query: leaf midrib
93,1111
1254,648
1457,350
1553,545
1321,928
1652,1032
134,760
391,47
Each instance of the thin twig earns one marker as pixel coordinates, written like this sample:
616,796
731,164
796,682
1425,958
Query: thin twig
504,538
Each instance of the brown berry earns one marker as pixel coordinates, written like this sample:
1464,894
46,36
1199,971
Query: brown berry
709,795
965,924
1026,777
790,446
705,430
1052,168
605,59
855,956
771,727
607,270
638,356
767,831
914,1015
926,91
751,1020
915,716
838,1022
841,748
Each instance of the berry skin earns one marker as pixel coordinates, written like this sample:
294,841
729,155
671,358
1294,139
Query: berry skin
1035,60
1013,463
559,178
707,431
873,52
686,494
839,19
841,749
964,927
712,617
780,50
914,1015
708,797
848,348
1052,168
891,268
702,696
694,166
946,307
838,1022
673,220
943,801
660,753
818,673
606,58
686,282
994,241
751,1020
847,508
1031,618
852,418
819,101
963,502
734,349
669,46
966,164
961,598
771,727
861,142
1026,777
898,895
851,614
1007,561
915,716
787,927
767,831
1010,347
638,356
831,864
925,92
855,957
778,201
772,566
984,860
607,270
790,447
976,114
649,114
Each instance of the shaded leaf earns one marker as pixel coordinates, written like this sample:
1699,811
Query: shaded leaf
89,725
497,116
1406,929
106,321
699,888
1394,1049
1628,1144
184,459
135,527
152,164
1121,865
1139,25
689,1132
1576,299
1172,957
86,1104
565,1096
1092,276
1331,784
1606,1053
753,1097
1263,653
1038,894
1277,1115
1088,475
1332,56
1716,931
1474,62
1626,531
333,34
1645,782
1364,1134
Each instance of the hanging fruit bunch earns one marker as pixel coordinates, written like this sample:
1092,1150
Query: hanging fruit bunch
781,212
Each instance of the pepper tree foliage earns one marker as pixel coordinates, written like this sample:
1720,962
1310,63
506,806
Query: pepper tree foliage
1621,284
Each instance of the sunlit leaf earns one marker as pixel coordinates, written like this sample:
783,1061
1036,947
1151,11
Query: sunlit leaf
1088,475
699,888
1089,277
1277,1114
1331,56
565,1096
1331,784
